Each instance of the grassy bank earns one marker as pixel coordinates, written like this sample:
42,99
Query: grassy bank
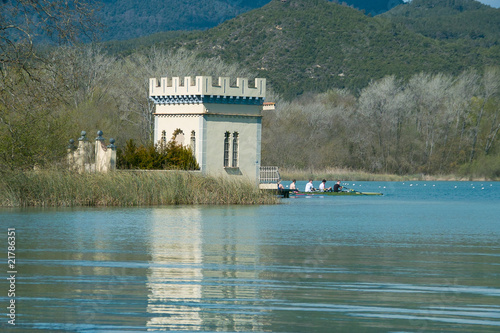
350,175
60,188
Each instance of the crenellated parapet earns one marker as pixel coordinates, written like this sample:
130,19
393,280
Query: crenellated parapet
202,89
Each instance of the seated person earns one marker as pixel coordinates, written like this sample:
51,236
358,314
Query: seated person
322,186
337,187
309,186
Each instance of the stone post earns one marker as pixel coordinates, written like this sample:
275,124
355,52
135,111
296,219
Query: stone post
105,156
71,155
84,156
100,153
112,154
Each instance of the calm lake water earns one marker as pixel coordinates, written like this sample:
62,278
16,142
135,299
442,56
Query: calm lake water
425,257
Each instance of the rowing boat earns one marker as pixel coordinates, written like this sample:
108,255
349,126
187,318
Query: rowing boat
318,193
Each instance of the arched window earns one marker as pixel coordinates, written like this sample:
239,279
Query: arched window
178,136
235,149
226,149
163,137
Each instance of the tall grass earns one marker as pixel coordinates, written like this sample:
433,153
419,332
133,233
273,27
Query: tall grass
343,174
350,175
61,188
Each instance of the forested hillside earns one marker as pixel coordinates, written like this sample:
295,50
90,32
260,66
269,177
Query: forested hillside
431,124
126,19
372,7
314,45
352,91
466,21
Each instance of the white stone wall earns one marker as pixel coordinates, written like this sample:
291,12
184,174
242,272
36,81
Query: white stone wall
248,129
211,109
187,123
87,157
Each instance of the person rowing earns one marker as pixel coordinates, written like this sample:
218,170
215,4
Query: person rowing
310,187
337,187
323,188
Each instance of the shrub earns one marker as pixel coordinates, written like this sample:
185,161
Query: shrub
171,156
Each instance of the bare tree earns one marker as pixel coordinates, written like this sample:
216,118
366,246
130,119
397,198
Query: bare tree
490,88
23,23
380,110
429,104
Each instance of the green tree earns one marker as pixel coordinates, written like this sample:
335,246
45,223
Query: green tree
32,121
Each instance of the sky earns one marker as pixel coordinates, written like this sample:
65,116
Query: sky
492,3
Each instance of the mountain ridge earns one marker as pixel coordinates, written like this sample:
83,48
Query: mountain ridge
128,19
316,45
450,20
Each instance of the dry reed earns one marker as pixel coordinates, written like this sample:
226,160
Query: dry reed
60,188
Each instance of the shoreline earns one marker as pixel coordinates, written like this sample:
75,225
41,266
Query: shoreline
354,175
52,188
125,189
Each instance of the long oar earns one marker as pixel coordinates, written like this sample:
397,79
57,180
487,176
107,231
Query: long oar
350,189
363,193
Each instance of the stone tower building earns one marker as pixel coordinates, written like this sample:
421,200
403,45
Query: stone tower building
220,121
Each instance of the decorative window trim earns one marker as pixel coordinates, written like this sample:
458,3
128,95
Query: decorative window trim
193,142
226,149
163,138
235,154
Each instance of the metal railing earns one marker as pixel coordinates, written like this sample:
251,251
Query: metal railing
269,175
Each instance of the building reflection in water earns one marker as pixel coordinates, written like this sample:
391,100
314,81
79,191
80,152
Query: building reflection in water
202,272
175,275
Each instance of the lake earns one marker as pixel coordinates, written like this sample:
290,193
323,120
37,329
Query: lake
424,257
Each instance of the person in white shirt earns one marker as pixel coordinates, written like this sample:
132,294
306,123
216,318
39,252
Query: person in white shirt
309,186
322,186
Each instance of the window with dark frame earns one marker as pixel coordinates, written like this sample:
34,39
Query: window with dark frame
226,149
235,150
193,142
163,137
